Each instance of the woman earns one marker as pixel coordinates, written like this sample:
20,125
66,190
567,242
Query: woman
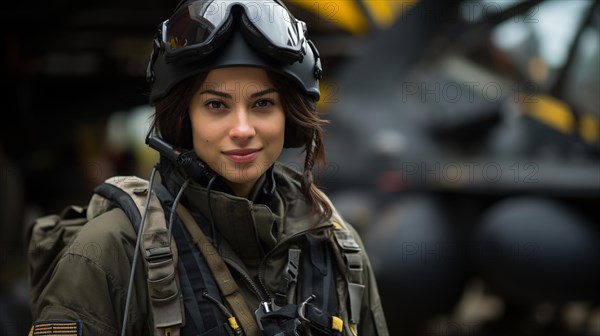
233,83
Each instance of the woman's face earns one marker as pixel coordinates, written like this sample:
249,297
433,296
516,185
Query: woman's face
238,125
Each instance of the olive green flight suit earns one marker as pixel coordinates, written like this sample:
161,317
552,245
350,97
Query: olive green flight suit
91,279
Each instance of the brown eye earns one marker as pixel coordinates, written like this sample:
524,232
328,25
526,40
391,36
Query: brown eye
215,104
264,103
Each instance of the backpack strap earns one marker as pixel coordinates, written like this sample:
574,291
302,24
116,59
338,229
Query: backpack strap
196,283
352,257
225,281
160,256
320,308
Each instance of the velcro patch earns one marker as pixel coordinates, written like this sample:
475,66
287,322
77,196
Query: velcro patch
56,327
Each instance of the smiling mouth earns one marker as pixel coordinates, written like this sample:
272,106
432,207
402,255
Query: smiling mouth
244,155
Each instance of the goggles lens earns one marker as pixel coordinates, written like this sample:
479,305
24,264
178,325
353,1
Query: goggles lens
192,29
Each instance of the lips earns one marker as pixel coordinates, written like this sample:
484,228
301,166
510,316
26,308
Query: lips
242,155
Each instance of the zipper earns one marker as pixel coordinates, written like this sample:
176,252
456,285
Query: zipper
266,304
262,292
262,267
253,287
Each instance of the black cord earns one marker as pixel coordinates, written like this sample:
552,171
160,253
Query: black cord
174,207
221,307
210,211
237,330
137,250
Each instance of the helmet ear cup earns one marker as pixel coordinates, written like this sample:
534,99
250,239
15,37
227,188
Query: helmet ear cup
295,136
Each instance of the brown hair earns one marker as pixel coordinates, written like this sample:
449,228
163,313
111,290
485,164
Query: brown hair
171,121
301,114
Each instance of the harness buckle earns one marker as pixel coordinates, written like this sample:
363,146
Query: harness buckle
302,308
262,309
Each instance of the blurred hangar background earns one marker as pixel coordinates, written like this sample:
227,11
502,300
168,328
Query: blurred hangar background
464,145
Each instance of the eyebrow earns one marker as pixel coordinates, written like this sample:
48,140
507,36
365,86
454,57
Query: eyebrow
227,95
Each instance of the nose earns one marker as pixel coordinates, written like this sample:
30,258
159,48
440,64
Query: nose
242,128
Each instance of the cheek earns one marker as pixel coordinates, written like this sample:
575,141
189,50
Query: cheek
277,134
202,136
199,121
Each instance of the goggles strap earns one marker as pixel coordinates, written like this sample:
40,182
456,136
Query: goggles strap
153,56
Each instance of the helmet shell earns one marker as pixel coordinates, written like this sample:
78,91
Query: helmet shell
236,51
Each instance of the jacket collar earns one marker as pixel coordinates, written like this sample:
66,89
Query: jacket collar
275,210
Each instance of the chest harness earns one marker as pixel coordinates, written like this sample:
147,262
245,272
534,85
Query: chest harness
193,293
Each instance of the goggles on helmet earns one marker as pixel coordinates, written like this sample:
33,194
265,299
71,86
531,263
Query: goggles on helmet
197,29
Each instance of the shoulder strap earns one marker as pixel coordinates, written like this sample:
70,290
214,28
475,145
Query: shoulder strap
319,274
352,257
221,273
160,256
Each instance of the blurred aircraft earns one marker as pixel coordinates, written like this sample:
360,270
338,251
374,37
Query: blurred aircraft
464,144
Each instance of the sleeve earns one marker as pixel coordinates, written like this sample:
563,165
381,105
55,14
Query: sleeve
372,319
78,292
88,288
